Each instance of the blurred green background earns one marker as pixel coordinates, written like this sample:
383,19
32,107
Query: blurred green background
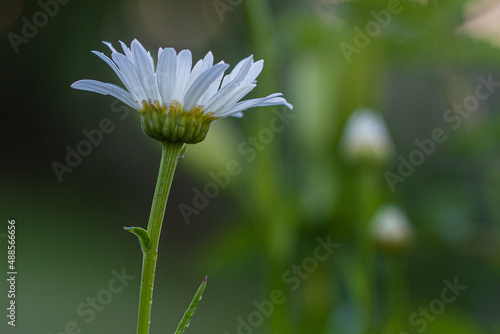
424,58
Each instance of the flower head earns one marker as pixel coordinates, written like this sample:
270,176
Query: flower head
178,102
366,138
391,228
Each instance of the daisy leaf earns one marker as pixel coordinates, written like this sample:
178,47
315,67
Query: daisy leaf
186,319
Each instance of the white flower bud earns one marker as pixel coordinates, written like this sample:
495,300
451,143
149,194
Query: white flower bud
391,227
366,138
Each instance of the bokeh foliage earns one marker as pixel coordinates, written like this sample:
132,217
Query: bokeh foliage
297,187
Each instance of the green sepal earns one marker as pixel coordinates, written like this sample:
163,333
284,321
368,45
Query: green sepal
172,123
183,150
186,319
143,236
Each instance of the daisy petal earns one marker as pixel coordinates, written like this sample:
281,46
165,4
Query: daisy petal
195,72
129,71
208,61
165,73
237,115
211,90
110,46
270,100
127,51
275,101
200,67
220,98
184,62
199,87
234,97
145,70
115,68
254,72
106,89
235,71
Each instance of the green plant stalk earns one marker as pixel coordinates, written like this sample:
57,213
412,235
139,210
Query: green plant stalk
169,158
277,224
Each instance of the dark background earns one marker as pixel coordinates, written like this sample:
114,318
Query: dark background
298,188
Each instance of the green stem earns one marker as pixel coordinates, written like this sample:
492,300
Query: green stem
277,226
169,158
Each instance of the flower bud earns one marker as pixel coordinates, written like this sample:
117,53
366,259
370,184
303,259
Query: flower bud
391,228
366,139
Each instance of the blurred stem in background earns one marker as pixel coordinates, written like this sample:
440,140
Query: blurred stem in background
369,198
364,189
396,288
272,213
277,219
314,77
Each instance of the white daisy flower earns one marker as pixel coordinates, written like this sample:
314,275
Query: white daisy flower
177,101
